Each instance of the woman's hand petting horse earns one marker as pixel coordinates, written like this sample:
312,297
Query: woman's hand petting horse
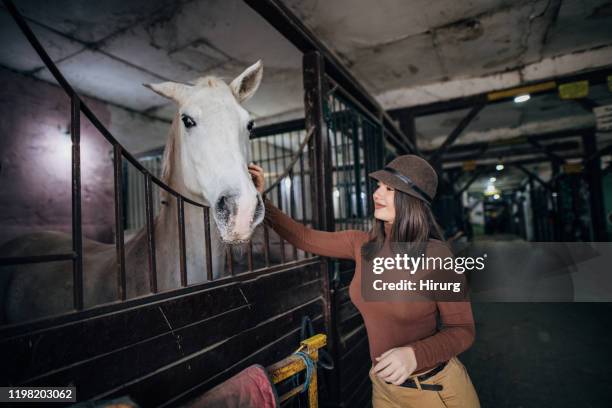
257,174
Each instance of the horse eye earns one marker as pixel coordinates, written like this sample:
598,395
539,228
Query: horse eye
188,121
250,125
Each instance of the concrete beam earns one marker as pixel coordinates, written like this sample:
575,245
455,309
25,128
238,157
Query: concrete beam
460,88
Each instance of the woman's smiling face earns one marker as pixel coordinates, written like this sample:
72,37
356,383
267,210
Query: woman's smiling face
384,208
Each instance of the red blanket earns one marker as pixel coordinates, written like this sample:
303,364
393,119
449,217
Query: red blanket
250,388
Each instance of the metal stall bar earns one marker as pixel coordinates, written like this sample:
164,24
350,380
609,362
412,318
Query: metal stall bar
279,160
594,180
77,233
292,365
229,260
350,134
333,130
319,158
291,191
266,230
346,119
182,250
279,195
303,193
358,155
150,234
119,238
394,135
357,168
209,271
250,256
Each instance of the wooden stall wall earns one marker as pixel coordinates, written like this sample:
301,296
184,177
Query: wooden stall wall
168,351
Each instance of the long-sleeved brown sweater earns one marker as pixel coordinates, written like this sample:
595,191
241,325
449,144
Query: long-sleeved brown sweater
388,324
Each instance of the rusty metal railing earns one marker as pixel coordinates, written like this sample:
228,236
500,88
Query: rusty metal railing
293,365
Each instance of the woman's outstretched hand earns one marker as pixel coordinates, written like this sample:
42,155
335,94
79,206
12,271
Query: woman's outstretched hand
257,174
396,365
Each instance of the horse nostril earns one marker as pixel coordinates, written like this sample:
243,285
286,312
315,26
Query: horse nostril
223,207
221,203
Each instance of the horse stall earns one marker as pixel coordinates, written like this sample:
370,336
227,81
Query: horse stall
161,312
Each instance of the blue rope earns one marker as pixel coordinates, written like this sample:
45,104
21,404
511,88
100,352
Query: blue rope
310,366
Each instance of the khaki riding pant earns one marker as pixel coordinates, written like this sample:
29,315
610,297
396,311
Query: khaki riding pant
457,391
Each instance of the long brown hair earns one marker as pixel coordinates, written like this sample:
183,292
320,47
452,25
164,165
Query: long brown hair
414,224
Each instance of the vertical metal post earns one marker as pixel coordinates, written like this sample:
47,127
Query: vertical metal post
321,193
292,206
378,142
279,197
250,255
119,241
369,151
230,263
407,124
532,199
291,186
555,166
150,233
344,116
357,127
77,238
207,244
594,179
182,249
266,231
266,245
303,193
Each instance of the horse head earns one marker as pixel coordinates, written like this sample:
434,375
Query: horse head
208,150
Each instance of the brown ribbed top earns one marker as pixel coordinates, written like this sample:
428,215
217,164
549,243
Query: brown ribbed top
388,324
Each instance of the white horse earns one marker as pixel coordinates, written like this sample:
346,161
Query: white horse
205,159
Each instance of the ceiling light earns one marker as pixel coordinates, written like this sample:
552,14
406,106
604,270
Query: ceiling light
491,190
496,197
499,167
492,180
522,98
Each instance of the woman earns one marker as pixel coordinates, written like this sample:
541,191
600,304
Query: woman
414,362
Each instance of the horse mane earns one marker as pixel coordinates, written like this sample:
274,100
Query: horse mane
168,156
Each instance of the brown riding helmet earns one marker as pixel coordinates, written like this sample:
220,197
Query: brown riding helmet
410,174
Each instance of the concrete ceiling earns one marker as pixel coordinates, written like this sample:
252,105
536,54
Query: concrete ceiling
404,52
108,49
424,45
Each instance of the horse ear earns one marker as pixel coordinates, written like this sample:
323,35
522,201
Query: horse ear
245,84
171,90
